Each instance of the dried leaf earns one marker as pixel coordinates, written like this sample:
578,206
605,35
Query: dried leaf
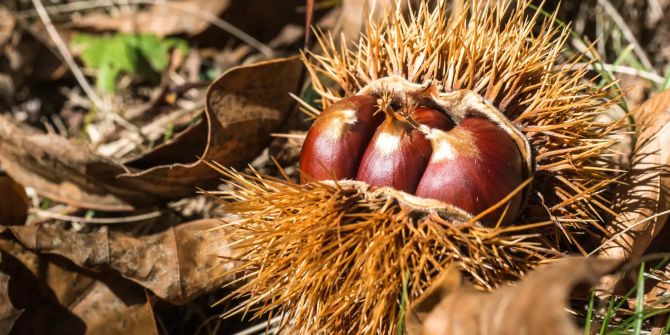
14,204
262,19
63,171
177,264
245,105
643,198
536,305
175,17
58,299
657,275
8,313
104,311
7,24
448,281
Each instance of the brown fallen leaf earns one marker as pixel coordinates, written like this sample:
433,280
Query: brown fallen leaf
448,281
643,198
177,265
658,296
536,305
56,298
8,313
244,106
169,18
636,90
63,171
14,202
7,24
104,311
248,21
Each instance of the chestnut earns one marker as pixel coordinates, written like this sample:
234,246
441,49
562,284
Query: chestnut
399,152
337,139
471,164
473,167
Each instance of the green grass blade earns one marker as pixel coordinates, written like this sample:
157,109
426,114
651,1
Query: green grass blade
598,67
612,307
589,313
622,56
666,83
403,305
666,328
639,300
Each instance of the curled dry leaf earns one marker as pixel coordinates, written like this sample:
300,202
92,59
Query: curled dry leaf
244,106
643,198
56,298
14,202
177,264
536,305
658,296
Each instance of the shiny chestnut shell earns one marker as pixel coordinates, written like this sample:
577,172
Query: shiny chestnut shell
471,164
338,137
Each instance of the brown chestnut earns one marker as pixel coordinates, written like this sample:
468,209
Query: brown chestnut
399,152
338,137
474,166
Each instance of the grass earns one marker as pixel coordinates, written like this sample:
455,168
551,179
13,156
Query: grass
639,300
589,313
403,304
617,319
666,83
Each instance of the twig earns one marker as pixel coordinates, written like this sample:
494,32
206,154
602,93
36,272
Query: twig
619,21
133,218
74,68
294,136
617,69
309,16
67,56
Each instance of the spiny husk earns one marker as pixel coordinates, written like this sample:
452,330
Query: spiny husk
332,257
511,60
336,258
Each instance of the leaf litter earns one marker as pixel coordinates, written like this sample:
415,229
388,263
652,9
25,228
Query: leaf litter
62,156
